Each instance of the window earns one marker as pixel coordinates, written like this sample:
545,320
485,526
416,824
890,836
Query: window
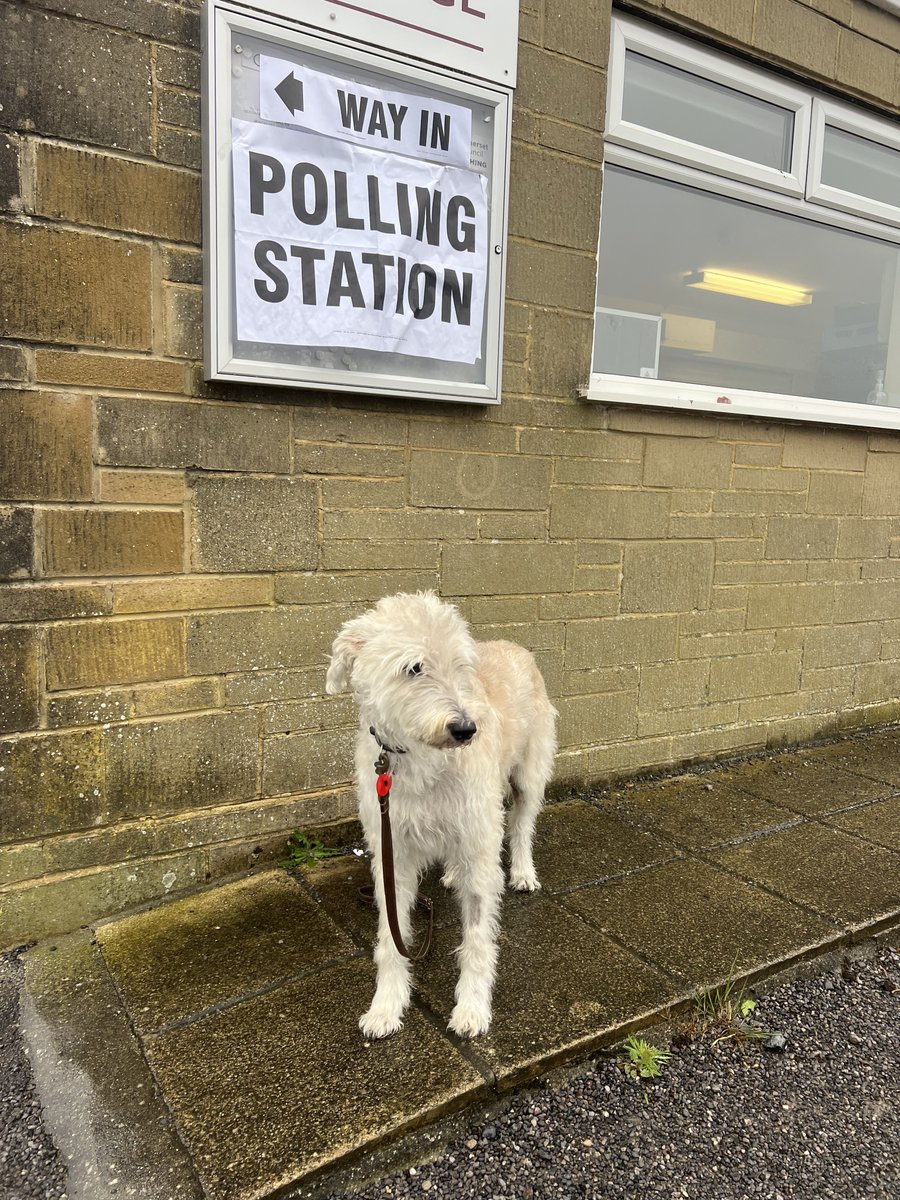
749,254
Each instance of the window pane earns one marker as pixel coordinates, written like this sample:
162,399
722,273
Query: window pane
860,166
686,106
825,323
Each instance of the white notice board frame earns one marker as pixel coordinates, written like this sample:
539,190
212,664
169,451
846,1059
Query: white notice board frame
226,358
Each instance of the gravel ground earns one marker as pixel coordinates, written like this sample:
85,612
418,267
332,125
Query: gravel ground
29,1163
819,1119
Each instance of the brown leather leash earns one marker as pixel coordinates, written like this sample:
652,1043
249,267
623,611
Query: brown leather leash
383,785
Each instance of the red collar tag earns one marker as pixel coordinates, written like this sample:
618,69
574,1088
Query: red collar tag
383,784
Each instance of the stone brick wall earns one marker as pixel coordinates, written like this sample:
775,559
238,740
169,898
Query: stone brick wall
176,556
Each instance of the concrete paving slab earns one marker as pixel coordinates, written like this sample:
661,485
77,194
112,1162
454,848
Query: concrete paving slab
808,785
205,950
100,1102
834,873
698,810
562,989
578,843
875,755
879,822
699,922
277,1087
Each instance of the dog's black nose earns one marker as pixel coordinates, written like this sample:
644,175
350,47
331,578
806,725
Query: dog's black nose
463,731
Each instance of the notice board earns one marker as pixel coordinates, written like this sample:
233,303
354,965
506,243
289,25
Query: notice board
354,212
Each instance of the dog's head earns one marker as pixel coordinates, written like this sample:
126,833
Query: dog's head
410,662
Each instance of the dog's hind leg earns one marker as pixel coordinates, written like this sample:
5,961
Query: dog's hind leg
394,980
528,780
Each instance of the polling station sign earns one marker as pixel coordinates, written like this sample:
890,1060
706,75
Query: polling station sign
354,216
340,245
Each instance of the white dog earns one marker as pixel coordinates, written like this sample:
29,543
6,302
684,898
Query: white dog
465,724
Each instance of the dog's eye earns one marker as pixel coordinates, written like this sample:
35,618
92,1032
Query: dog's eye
414,669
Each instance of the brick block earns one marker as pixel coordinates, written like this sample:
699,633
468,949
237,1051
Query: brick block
180,147
881,495
606,513
10,187
380,556
561,362
190,593
154,18
179,67
51,601
801,537
183,266
402,525
788,604
834,492
551,277
620,641
59,286
302,762
842,646
830,449
86,84
864,537
176,696
734,20
182,321
108,371
18,863
98,653
586,720
513,526
253,524
46,439
667,576
554,199
349,425
789,32
183,763
673,685
529,568
682,462
866,601
483,481
213,437
100,707
316,588
141,487
754,675
866,66
97,189
570,139
261,640
50,782
551,84
453,433
112,542
178,108
19,683
16,543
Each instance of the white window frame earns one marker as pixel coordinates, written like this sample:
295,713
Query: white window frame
841,116
643,39
798,192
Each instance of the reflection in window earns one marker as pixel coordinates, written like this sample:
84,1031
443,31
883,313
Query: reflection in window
685,106
662,244
860,166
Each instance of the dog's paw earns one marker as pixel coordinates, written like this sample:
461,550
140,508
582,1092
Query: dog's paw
524,881
469,1020
379,1023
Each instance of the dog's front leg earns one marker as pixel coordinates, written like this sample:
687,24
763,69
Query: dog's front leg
479,890
394,981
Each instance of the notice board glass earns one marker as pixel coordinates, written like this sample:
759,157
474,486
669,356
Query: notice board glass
354,209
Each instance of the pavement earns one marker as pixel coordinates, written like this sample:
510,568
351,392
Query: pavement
208,1047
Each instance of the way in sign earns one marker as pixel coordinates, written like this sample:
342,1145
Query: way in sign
421,126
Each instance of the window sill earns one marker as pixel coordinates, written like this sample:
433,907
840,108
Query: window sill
662,393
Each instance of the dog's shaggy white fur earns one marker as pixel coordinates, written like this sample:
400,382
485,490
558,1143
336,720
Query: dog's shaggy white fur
477,728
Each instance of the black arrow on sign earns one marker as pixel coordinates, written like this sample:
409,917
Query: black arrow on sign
290,92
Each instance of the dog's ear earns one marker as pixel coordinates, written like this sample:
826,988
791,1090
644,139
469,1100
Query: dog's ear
344,649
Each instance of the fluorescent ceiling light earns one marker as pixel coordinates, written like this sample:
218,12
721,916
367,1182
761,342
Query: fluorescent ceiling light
749,287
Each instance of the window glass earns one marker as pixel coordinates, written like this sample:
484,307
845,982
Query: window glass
746,297
692,109
863,167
